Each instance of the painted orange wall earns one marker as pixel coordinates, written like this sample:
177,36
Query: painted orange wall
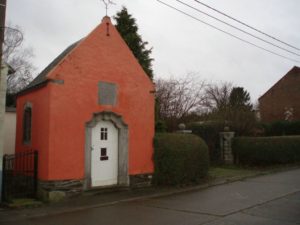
97,58
39,99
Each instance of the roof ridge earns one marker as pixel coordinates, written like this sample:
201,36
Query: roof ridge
296,68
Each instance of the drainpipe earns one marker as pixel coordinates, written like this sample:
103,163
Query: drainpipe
3,74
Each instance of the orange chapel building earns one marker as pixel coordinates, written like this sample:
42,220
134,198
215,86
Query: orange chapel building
90,116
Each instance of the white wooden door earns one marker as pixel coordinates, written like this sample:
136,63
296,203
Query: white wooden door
104,160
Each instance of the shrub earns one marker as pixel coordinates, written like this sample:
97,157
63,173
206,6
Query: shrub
209,131
179,159
160,126
267,150
280,128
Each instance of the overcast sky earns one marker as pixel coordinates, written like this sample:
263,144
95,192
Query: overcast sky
180,44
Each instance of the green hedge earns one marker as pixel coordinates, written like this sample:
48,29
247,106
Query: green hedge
209,131
160,126
267,150
280,128
179,159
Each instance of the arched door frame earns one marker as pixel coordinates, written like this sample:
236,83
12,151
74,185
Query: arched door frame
117,120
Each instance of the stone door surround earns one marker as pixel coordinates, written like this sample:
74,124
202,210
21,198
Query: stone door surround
117,120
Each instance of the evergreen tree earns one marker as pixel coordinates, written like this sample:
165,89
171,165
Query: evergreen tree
127,27
241,115
240,99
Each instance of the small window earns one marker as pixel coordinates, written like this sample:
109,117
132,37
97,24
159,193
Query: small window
103,155
27,125
103,133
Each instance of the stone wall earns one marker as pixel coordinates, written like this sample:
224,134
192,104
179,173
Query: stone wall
56,190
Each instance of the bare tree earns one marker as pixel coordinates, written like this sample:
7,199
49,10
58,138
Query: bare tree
19,57
176,98
230,108
217,96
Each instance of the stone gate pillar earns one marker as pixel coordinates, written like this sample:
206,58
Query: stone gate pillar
225,144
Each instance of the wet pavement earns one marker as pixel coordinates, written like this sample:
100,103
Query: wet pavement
271,199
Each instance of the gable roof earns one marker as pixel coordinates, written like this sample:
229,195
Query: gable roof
44,77
295,69
41,78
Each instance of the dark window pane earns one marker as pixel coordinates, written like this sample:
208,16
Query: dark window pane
27,125
103,134
103,152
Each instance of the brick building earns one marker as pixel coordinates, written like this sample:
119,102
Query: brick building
90,114
282,100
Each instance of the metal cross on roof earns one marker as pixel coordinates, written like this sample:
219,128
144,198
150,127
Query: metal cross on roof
107,3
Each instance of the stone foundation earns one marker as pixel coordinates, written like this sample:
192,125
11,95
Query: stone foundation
57,190
54,191
140,180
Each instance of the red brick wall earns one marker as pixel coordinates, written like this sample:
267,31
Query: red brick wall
284,94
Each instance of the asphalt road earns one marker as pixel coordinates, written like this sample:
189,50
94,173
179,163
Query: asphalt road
272,199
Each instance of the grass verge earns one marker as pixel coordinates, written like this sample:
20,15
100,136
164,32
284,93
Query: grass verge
235,172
